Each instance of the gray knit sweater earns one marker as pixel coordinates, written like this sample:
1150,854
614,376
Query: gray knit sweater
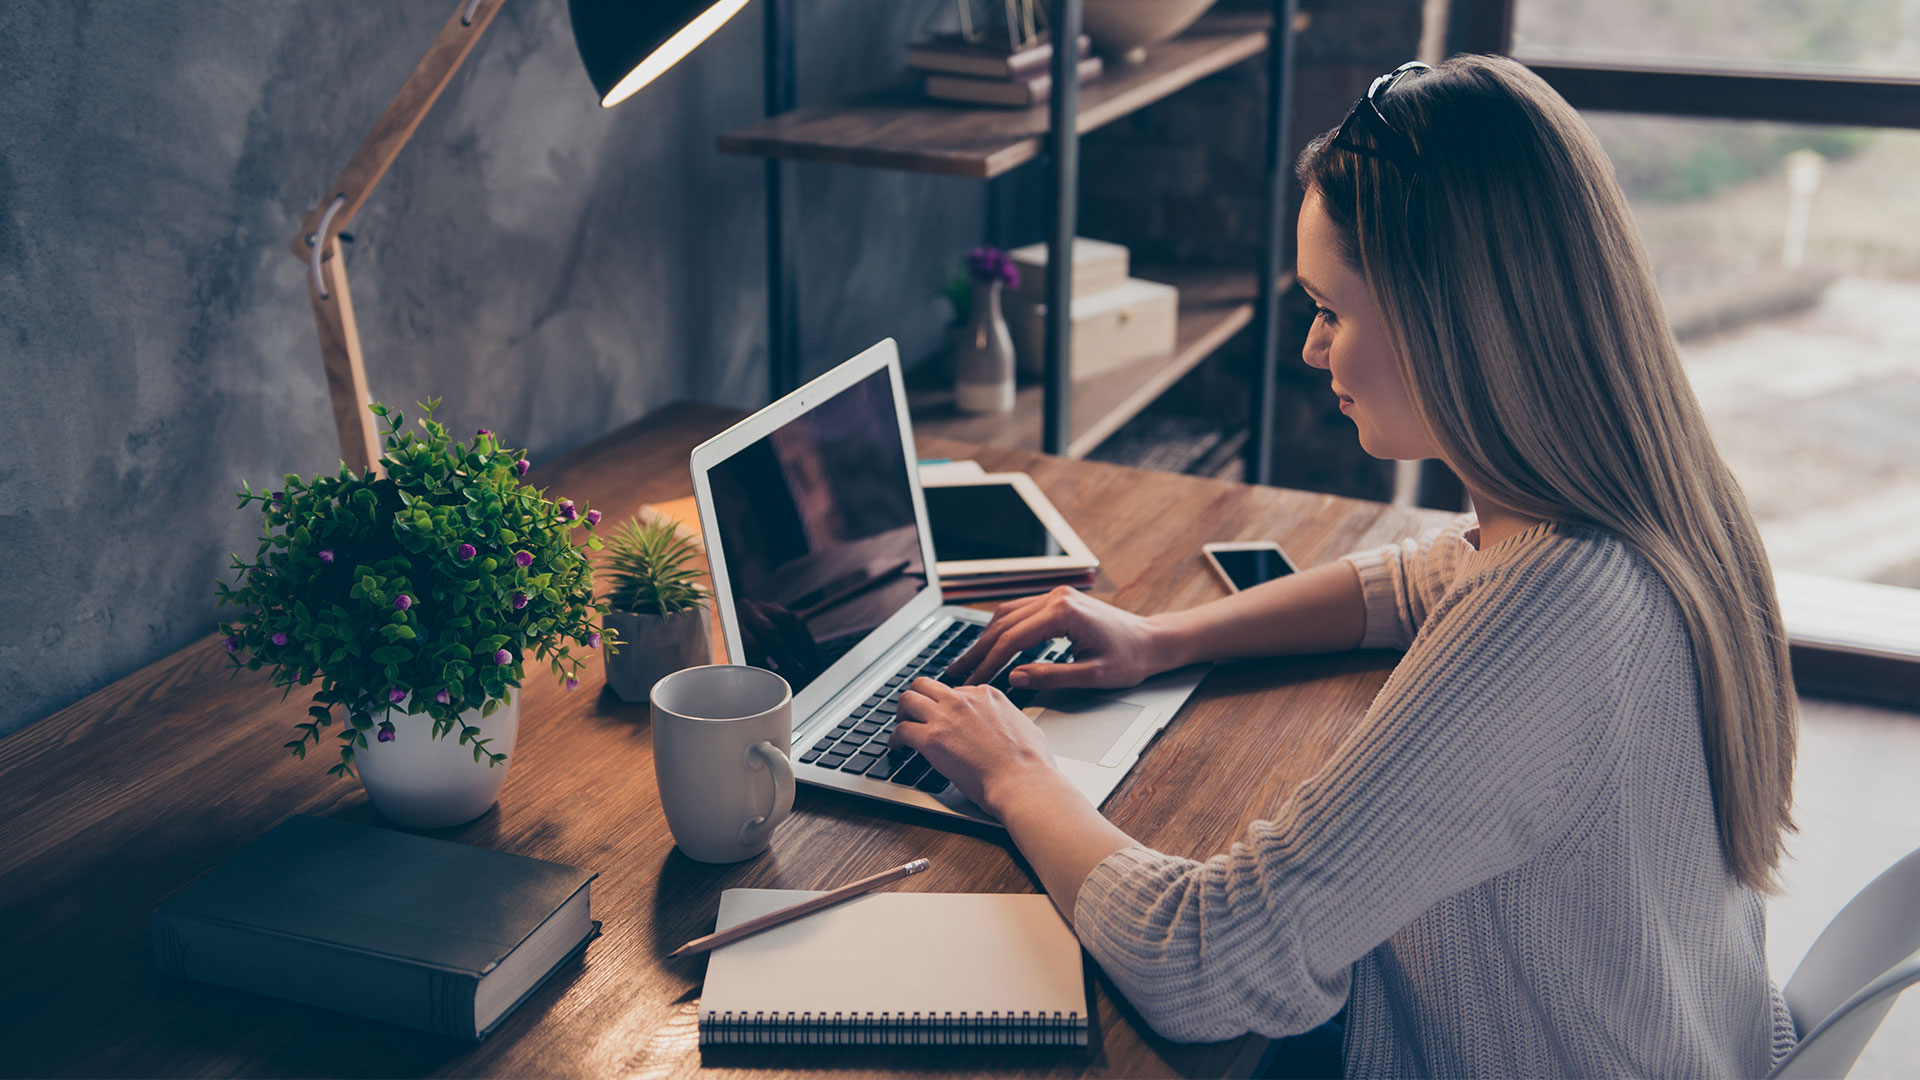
1510,869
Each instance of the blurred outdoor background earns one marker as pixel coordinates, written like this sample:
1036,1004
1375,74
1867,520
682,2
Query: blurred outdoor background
1789,258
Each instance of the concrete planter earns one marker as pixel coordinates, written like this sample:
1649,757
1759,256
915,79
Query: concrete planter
655,646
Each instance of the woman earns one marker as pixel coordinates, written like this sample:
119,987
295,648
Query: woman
1544,851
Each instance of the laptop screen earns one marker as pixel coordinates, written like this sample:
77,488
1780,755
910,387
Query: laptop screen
817,523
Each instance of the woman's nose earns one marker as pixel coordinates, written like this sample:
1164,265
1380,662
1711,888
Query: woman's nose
1314,352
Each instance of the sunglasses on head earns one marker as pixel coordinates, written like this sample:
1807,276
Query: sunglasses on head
1394,146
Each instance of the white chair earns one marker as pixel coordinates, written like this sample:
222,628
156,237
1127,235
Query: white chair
1861,962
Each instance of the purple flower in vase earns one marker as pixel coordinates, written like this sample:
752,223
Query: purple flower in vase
483,432
567,511
523,558
466,551
443,697
232,643
402,602
593,640
573,684
522,466
593,518
386,731
279,637
503,658
396,695
519,600
326,556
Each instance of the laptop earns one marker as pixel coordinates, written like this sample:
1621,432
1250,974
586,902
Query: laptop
822,564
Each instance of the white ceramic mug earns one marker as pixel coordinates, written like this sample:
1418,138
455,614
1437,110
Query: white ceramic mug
721,735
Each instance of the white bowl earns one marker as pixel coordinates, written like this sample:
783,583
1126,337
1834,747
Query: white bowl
1122,26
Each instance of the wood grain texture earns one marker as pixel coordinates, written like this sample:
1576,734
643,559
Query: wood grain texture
120,800
896,127
346,367
1215,305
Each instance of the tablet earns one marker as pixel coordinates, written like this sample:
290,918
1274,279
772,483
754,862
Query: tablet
999,523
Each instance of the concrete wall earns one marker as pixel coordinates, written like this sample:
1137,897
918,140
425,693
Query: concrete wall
551,269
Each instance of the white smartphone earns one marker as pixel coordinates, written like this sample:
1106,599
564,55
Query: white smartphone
1242,564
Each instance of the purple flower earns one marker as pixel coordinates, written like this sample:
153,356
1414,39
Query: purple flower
233,643
593,640
523,558
326,556
483,431
992,264
402,602
503,658
522,466
573,684
466,551
279,497
386,731
567,512
396,695
279,637
519,600
443,697
593,518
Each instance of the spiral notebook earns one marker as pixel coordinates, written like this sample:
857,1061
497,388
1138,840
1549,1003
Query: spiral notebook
927,969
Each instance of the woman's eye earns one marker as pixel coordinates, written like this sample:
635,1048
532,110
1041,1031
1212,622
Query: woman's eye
1321,314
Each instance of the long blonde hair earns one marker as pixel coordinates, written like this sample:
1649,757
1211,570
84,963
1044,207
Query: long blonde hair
1526,324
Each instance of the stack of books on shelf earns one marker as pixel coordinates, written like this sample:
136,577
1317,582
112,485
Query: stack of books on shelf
992,72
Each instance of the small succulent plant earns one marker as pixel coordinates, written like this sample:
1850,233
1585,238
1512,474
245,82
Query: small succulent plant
648,564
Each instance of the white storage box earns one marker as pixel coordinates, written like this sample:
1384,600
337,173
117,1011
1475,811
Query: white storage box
1097,267
1111,328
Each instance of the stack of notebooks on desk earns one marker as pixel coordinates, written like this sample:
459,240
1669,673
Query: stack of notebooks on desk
992,73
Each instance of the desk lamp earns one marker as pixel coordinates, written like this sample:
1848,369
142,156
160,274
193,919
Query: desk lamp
625,44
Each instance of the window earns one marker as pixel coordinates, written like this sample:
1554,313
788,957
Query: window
1857,36
1789,261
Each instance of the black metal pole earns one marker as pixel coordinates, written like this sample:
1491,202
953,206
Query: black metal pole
1063,143
783,311
1277,250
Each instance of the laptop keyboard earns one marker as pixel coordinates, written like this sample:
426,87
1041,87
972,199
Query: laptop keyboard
860,744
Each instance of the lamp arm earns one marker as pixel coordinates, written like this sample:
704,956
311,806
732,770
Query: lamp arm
396,125
318,243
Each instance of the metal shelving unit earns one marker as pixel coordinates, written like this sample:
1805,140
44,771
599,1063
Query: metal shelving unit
894,127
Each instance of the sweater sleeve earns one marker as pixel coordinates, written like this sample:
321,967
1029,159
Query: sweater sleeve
1403,581
1465,767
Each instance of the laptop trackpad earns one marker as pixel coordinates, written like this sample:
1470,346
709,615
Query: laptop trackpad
1082,726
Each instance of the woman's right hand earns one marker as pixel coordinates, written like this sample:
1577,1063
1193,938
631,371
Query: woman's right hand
1111,648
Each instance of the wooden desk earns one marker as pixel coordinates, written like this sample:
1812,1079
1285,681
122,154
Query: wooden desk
118,801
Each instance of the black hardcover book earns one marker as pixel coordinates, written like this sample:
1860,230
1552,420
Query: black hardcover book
430,934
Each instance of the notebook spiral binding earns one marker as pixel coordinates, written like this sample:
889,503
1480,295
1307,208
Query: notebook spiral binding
892,1029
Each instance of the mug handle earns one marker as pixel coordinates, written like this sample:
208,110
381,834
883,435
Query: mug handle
768,756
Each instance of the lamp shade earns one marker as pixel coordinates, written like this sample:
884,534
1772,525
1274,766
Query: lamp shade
626,44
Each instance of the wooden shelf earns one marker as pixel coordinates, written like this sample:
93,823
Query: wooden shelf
1214,305
896,127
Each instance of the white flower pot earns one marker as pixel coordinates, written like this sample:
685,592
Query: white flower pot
420,782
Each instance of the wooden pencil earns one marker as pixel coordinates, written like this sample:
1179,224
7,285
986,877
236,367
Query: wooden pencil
805,907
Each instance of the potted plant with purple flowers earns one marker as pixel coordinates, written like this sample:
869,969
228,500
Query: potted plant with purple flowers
416,598
983,363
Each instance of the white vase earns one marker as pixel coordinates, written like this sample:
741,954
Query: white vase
983,358
420,782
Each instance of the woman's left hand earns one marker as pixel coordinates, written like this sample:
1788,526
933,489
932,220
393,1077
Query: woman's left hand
974,736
